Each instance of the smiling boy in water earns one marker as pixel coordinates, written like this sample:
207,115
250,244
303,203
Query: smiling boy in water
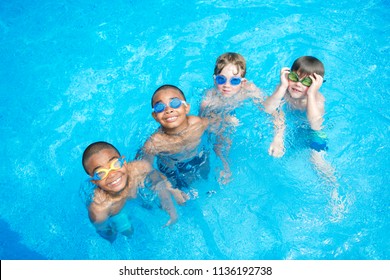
177,144
116,182
230,90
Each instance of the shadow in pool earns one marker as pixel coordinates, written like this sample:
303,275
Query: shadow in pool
12,249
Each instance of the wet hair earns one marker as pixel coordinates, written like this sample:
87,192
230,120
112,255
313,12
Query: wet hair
230,58
95,148
166,86
307,65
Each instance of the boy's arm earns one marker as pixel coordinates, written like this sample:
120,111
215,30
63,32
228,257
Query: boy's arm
162,186
255,94
273,102
164,189
276,148
159,184
147,152
99,217
221,149
315,103
202,107
163,183
206,101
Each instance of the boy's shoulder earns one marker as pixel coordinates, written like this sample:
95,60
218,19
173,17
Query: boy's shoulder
101,200
156,142
192,119
138,166
252,91
198,122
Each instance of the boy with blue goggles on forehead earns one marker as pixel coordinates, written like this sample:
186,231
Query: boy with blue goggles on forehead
116,181
177,144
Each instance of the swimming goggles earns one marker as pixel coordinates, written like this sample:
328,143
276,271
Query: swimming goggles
221,80
102,173
292,76
174,104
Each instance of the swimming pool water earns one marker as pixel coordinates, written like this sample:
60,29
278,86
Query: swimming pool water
74,72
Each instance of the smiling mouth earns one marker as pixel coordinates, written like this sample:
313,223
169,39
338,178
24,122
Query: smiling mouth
171,119
116,182
296,90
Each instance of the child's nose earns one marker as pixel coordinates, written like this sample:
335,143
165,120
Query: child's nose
168,109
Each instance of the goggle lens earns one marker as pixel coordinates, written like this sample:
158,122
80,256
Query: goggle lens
221,80
102,173
174,104
292,76
235,81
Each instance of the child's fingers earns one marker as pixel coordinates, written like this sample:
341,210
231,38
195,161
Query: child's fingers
316,77
284,70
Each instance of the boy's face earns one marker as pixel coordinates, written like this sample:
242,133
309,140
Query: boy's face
116,179
227,89
296,89
171,119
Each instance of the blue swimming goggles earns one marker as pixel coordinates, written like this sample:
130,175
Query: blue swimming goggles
221,80
174,104
102,173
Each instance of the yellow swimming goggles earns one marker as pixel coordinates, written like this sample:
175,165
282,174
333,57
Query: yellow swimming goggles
102,173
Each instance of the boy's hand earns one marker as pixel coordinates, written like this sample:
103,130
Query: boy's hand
317,81
283,77
180,196
172,220
276,149
225,177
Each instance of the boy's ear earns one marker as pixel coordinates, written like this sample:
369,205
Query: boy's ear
154,116
94,182
188,107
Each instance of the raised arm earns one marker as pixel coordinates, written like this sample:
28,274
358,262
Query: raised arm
315,103
272,103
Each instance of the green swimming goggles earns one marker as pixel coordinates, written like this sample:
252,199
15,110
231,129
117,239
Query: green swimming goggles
292,76
174,104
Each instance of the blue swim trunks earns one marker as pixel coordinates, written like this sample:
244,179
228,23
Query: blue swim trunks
120,222
197,166
318,140
148,197
117,223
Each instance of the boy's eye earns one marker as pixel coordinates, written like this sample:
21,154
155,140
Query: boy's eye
235,81
174,104
292,76
221,80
